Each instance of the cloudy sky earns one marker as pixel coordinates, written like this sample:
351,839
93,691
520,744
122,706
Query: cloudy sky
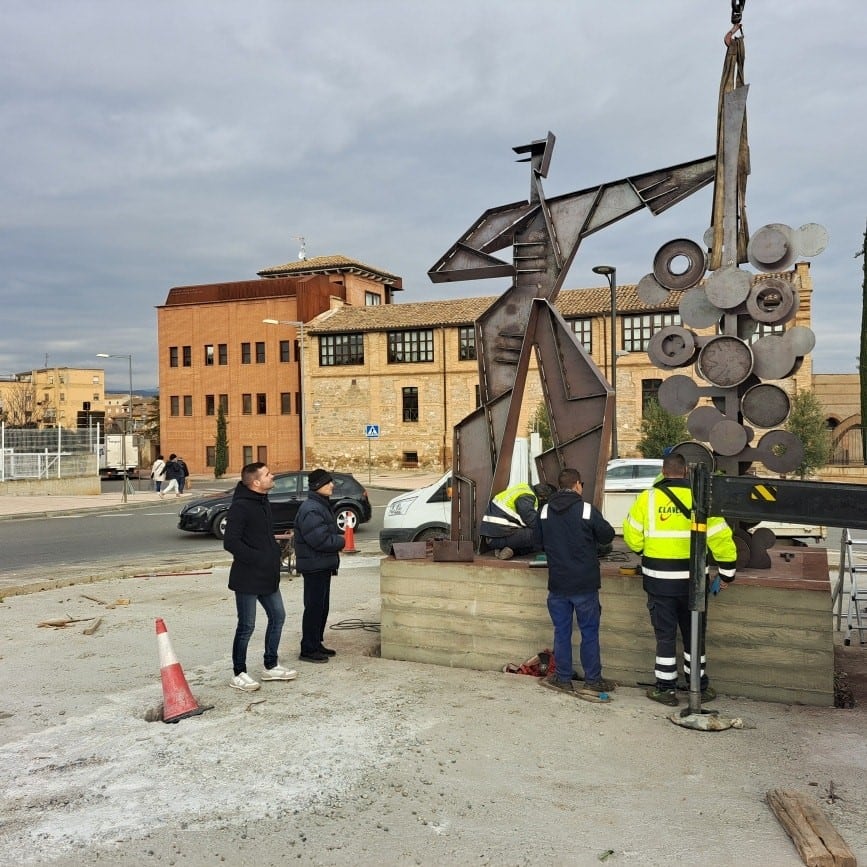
159,144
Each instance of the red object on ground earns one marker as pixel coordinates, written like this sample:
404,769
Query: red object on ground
349,547
178,701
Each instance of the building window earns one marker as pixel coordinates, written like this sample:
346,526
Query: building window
210,456
410,403
583,331
763,330
372,299
260,352
337,349
247,406
285,351
222,353
637,330
478,395
466,343
298,402
209,355
649,393
285,403
174,405
262,454
245,353
188,404
210,406
248,455
224,402
188,356
173,356
261,404
410,346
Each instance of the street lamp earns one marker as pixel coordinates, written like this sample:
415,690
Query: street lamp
300,326
610,272
129,422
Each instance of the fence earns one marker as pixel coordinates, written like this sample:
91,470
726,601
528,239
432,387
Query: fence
849,449
42,454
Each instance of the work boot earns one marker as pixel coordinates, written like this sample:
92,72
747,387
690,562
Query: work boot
505,553
708,694
564,686
601,685
663,696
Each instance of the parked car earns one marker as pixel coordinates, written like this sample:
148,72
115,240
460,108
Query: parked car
631,474
348,500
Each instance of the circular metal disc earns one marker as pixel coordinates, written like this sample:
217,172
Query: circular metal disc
773,357
772,301
702,420
672,346
728,438
765,405
811,239
725,361
772,248
707,237
678,394
669,259
742,546
764,537
694,454
728,287
650,292
801,339
696,311
781,451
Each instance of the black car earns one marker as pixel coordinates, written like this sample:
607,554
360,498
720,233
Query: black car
349,501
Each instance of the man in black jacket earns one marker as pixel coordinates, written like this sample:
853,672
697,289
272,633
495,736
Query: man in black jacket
255,574
570,531
318,542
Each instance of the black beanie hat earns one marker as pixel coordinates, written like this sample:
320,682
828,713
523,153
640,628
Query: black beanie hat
318,478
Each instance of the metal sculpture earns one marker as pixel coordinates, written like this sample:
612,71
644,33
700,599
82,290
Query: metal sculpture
734,368
544,235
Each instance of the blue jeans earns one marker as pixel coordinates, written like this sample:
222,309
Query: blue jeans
563,610
246,605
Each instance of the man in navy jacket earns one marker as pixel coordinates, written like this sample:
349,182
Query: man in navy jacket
570,531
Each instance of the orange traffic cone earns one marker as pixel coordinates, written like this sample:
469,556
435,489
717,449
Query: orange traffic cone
178,701
349,547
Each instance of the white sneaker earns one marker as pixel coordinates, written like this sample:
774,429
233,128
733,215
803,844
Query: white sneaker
279,673
244,682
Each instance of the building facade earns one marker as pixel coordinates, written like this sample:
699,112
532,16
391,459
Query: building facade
405,372
67,397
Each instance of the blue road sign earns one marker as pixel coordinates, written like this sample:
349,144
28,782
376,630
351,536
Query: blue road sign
371,431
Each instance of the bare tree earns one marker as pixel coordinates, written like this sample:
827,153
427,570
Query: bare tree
18,405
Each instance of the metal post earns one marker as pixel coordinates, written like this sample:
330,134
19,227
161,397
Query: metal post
128,427
610,273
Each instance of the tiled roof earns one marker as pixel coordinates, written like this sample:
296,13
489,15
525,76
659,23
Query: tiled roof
331,265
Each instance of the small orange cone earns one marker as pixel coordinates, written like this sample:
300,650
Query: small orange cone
178,701
349,547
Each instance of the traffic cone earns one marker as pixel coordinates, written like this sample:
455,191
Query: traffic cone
178,701
349,533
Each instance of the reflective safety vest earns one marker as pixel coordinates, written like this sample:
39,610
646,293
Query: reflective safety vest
503,513
657,529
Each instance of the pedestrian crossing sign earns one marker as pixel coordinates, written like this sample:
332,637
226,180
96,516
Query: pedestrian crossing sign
371,431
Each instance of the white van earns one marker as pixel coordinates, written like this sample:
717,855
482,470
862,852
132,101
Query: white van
426,513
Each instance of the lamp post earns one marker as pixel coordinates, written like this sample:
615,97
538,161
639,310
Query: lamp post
129,422
300,326
610,272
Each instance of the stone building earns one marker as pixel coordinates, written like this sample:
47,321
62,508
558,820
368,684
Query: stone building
410,370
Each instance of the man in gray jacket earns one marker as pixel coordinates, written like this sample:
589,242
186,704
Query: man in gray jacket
255,574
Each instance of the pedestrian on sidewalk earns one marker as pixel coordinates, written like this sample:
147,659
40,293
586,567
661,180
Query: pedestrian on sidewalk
318,542
255,575
571,530
158,473
174,475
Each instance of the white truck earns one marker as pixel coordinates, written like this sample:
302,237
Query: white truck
112,456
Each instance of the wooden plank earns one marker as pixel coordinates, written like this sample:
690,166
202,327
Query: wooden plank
814,836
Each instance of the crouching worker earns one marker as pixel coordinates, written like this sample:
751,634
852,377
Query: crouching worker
570,531
508,524
658,528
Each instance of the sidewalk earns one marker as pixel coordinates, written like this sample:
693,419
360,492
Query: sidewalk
40,506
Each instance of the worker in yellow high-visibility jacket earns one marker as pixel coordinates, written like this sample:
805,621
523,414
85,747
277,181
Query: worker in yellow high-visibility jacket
658,527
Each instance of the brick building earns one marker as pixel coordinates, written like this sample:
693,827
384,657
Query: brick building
411,369
67,397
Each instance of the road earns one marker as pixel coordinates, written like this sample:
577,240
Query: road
140,537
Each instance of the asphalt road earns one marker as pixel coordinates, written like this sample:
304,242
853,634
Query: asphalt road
138,538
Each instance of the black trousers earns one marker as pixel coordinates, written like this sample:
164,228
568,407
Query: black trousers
668,614
317,597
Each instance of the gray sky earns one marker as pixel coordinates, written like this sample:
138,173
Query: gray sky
151,145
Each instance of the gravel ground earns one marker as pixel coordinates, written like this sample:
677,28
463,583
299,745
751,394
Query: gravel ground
371,761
